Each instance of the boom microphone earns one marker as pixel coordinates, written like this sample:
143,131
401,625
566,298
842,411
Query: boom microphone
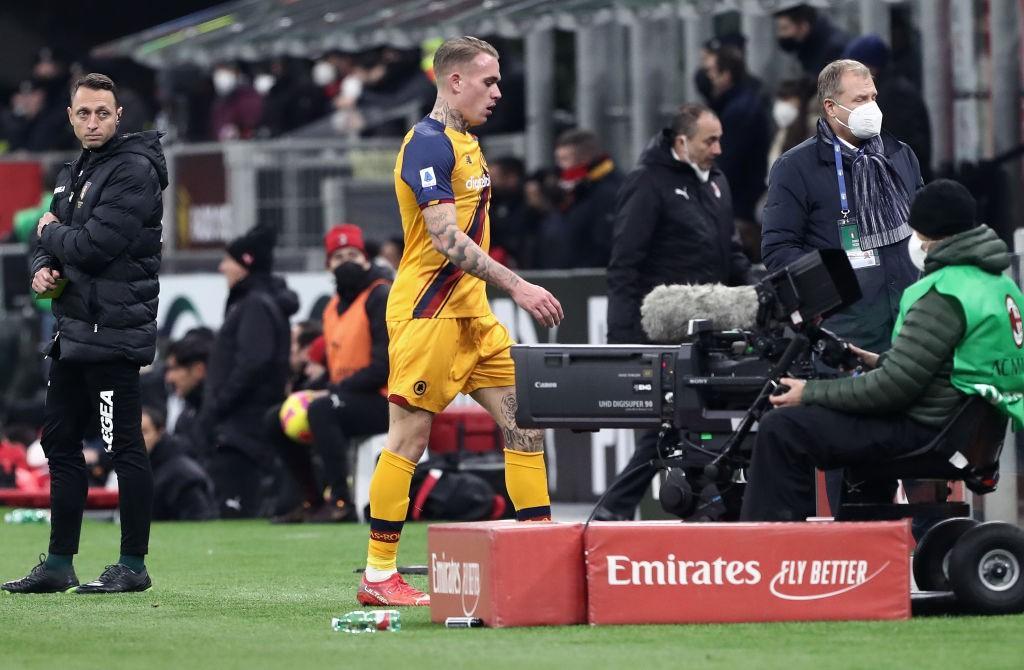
667,310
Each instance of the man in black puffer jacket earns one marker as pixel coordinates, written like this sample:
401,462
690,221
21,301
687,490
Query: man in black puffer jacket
247,373
673,225
102,237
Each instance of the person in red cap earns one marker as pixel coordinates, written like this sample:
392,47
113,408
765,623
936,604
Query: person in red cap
355,401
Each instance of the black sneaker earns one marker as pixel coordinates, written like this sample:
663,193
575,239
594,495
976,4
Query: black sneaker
43,580
117,578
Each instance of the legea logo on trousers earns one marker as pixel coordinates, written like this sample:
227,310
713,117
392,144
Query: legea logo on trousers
107,419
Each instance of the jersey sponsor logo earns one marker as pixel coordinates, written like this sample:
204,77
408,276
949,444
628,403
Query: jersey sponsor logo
107,419
1016,324
477,183
427,178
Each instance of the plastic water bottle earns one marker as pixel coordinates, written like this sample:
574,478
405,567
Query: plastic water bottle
27,516
368,621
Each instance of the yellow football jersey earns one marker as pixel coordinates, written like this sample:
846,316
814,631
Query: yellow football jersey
435,165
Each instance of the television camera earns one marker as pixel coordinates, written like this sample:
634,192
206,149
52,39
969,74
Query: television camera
706,394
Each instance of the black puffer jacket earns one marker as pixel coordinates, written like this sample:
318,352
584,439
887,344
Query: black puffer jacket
248,366
107,245
669,229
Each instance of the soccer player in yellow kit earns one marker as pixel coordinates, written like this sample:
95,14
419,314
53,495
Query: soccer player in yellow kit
444,339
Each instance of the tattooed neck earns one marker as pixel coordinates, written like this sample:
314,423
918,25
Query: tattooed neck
449,116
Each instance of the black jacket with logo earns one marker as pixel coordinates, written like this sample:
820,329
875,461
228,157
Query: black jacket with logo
669,229
107,245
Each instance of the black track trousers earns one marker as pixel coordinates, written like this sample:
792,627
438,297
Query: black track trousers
81,398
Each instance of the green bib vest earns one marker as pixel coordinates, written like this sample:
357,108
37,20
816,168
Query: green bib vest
989,361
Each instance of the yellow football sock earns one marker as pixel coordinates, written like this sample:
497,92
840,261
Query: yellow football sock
526,479
389,503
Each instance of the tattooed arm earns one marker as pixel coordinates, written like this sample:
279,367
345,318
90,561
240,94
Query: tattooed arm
457,247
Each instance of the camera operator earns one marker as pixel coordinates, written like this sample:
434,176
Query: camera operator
956,329
674,225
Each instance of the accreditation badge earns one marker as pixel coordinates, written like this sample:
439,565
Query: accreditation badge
849,237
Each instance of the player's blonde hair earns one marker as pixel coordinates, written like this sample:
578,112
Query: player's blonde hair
458,51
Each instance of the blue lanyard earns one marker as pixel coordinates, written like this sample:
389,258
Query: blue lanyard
844,203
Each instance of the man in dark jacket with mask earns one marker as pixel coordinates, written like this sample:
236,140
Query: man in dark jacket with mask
247,373
812,38
850,188
959,331
98,255
355,403
673,225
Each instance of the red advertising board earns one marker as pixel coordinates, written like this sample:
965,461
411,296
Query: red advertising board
507,573
670,572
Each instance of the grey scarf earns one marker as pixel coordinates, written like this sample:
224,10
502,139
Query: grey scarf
875,181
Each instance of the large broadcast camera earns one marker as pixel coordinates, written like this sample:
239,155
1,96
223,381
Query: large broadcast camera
706,394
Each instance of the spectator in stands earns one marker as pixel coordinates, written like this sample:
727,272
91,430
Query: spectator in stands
294,100
541,195
247,374
738,101
38,121
238,107
355,402
794,116
391,250
339,65
673,225
508,208
185,372
810,36
906,114
589,183
182,491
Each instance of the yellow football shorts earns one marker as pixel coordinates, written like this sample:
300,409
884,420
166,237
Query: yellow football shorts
433,360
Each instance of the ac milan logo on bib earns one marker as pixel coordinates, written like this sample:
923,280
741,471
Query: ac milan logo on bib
1016,325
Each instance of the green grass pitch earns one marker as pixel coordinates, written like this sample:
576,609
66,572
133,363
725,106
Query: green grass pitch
250,595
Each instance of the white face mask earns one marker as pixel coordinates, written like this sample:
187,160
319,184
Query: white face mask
323,73
224,81
865,121
784,113
915,247
263,83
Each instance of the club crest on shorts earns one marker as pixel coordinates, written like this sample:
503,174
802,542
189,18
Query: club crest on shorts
420,387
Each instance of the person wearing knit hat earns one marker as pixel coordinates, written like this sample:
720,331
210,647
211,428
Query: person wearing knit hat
341,236
355,342
254,250
958,328
247,373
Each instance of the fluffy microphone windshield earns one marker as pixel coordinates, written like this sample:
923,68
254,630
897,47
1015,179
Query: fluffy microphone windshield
667,310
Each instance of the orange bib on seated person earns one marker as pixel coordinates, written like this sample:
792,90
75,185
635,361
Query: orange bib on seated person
348,336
